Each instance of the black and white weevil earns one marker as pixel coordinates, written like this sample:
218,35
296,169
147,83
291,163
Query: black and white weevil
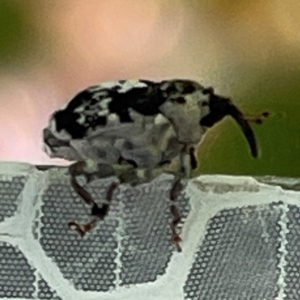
132,129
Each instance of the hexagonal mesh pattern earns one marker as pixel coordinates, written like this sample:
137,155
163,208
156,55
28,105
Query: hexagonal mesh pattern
146,237
45,291
240,240
88,262
16,275
292,278
239,256
9,192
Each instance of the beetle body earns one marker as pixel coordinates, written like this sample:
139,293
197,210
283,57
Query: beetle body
141,123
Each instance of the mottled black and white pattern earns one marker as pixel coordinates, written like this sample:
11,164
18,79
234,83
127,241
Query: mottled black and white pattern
131,129
145,122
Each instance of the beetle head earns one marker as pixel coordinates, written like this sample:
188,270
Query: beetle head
220,107
57,143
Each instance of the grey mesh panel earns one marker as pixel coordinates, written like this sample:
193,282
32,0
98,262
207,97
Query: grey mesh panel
247,249
146,247
88,262
239,256
292,278
9,192
45,291
16,275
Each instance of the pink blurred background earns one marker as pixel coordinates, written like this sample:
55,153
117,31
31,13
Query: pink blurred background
75,43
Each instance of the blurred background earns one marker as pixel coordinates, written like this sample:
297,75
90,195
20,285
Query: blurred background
247,50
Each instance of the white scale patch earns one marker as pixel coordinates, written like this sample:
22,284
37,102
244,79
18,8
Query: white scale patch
81,119
104,85
130,84
103,113
99,95
105,102
79,109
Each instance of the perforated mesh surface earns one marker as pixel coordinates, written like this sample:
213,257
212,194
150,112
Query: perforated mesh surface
45,291
239,256
16,275
9,192
240,241
90,262
292,278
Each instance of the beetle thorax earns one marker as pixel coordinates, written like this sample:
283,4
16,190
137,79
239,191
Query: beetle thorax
185,119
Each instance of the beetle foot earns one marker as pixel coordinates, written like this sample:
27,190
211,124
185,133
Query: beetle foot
176,218
83,229
176,240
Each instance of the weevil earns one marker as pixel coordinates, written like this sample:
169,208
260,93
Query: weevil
133,129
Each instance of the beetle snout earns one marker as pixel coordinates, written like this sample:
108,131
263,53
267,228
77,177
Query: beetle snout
49,138
51,142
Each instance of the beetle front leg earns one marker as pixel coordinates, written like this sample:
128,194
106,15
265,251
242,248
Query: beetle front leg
99,213
91,170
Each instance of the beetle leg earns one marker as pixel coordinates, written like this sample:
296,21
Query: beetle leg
174,193
188,161
83,193
92,170
99,213
83,229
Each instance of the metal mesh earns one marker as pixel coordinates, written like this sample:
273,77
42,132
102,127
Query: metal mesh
146,249
16,275
240,240
45,291
88,262
292,277
9,192
239,256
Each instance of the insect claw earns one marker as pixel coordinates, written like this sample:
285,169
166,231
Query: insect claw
77,227
83,229
176,239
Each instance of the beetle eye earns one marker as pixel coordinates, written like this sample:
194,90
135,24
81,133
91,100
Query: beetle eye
208,91
180,100
188,89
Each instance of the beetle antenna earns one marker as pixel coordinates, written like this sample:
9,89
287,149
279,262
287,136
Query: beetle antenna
245,126
257,119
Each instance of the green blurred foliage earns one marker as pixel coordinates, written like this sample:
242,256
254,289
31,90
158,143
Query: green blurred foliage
16,31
